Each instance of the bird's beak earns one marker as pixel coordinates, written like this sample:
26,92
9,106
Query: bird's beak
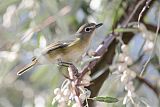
98,25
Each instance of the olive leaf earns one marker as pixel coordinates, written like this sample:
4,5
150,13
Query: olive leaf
105,99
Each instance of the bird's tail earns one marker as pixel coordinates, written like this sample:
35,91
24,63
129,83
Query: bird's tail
27,67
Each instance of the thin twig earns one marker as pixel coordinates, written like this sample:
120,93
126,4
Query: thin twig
152,52
144,8
134,11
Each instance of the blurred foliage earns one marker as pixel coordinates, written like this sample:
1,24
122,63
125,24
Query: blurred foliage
19,39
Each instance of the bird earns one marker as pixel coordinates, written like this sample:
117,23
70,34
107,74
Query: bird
68,51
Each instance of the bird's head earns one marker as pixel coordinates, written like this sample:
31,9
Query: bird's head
87,29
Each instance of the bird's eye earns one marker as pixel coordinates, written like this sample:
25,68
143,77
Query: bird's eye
87,29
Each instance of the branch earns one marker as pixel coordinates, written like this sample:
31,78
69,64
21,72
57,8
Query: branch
107,56
100,51
72,75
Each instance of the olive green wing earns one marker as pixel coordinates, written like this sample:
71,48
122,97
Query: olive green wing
58,45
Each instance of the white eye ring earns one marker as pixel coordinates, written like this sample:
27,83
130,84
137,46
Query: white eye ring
87,29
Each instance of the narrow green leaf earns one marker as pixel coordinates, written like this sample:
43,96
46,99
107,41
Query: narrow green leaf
119,30
105,99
